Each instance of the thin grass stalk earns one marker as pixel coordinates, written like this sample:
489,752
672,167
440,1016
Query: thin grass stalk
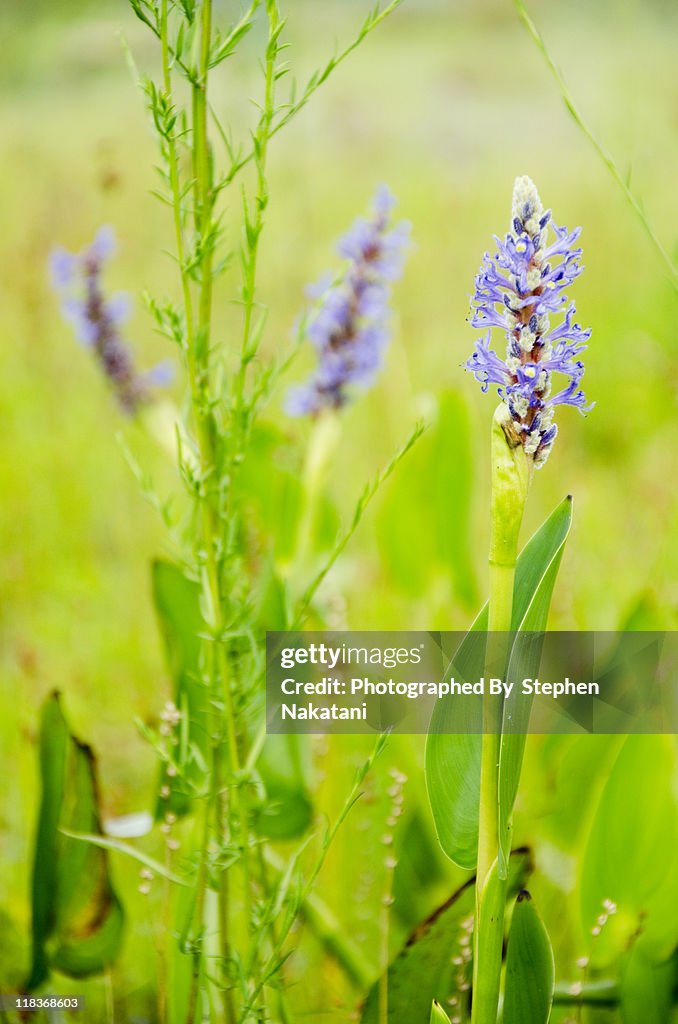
607,158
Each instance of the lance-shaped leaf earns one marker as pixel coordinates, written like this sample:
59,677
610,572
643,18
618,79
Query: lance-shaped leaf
423,971
489,946
546,552
77,917
453,748
530,970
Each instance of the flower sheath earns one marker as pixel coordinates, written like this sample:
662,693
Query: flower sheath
517,290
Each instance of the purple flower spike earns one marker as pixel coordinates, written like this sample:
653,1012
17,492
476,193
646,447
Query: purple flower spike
349,329
96,319
516,290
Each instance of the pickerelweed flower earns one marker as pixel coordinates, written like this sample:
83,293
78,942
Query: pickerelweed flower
518,290
350,327
97,320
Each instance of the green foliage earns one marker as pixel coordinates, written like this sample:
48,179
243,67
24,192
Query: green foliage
76,538
630,854
530,970
286,810
543,556
438,1015
422,540
452,749
647,988
77,916
422,971
177,603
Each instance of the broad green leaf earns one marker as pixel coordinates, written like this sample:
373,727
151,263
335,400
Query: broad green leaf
421,865
630,856
647,988
77,917
177,603
530,970
453,749
567,774
451,492
438,1015
524,660
420,540
422,971
286,810
271,488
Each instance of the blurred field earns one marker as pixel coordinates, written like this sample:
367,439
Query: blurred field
445,102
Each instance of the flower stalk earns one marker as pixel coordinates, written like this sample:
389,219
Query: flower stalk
517,290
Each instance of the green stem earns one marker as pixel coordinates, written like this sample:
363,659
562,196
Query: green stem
319,452
510,484
604,992
198,347
254,222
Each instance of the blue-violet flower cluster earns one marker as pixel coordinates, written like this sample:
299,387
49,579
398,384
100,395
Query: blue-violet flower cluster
97,320
349,330
518,290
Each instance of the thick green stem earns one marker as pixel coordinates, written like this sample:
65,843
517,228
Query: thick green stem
511,471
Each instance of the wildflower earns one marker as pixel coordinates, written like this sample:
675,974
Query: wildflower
349,329
97,320
518,290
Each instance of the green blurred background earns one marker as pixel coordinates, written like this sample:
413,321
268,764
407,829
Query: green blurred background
446,102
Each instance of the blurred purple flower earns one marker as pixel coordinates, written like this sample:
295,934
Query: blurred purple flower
516,290
96,319
349,329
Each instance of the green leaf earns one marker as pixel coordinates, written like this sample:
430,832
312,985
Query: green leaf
453,749
490,945
286,811
545,553
422,972
421,866
438,1015
451,493
77,917
421,540
530,970
647,988
630,855
177,603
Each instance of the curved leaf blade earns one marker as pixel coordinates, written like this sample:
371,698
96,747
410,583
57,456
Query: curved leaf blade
452,748
530,968
421,972
438,1015
177,604
78,919
546,553
630,857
